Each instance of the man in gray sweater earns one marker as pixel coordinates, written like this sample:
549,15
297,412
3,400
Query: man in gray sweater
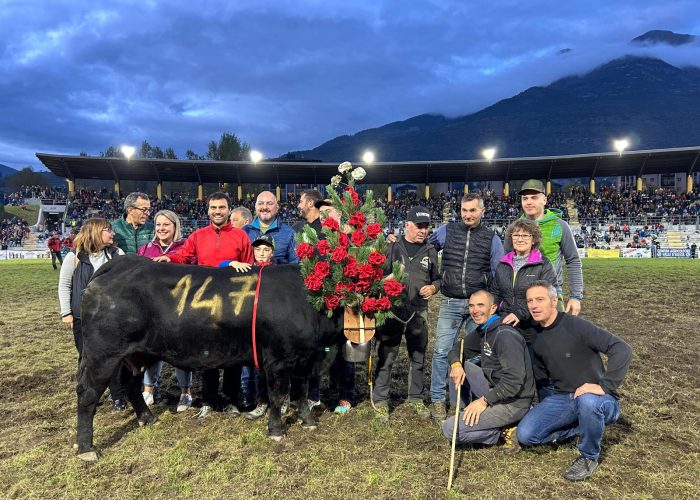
502,388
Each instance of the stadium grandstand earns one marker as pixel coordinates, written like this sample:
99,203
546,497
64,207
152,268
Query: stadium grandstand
635,209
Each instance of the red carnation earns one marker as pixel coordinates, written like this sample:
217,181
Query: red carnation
363,285
373,230
358,237
366,271
305,251
322,269
369,305
339,253
376,258
383,303
313,282
330,223
351,270
331,301
323,247
343,240
357,220
393,288
344,286
353,195
378,273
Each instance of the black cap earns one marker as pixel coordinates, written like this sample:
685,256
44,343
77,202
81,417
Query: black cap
324,203
264,239
418,215
532,185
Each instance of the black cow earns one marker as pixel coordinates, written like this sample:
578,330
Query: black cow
197,318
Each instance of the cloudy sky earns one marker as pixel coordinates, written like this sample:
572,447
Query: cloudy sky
81,75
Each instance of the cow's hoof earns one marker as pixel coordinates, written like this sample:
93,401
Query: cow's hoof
88,456
149,420
277,439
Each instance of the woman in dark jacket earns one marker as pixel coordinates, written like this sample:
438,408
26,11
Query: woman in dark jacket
516,270
94,246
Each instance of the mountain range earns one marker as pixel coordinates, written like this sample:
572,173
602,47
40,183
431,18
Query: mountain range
650,101
5,170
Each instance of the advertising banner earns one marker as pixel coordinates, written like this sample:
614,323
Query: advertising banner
599,253
636,253
674,253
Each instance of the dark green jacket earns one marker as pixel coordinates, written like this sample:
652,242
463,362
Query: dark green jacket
129,238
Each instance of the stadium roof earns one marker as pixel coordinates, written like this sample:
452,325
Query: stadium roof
630,163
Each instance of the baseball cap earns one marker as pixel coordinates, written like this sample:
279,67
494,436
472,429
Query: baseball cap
532,185
264,239
418,215
324,203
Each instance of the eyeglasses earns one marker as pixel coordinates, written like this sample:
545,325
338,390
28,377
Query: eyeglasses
108,229
522,236
145,210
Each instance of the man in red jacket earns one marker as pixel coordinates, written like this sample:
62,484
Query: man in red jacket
209,246
54,244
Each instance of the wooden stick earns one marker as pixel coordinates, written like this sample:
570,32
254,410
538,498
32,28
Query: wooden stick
456,423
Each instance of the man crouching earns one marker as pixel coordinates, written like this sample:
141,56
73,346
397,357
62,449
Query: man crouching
502,388
567,351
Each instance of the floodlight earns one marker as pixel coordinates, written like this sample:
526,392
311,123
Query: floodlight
128,151
621,145
489,153
368,157
255,156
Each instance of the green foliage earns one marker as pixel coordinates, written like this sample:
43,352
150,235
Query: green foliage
228,148
26,177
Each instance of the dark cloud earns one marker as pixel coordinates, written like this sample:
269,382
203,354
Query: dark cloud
80,76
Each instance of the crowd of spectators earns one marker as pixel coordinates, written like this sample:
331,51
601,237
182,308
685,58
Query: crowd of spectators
18,198
13,231
610,204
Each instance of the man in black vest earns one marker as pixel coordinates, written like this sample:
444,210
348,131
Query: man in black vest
470,255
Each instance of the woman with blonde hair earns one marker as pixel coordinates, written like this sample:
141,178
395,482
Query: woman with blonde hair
94,246
167,240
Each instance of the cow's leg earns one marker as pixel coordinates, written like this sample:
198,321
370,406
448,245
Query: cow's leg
277,388
300,394
93,378
135,397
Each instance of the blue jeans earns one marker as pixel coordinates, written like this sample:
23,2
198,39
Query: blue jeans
453,312
560,416
151,376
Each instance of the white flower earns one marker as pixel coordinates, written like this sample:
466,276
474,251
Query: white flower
346,166
336,180
358,174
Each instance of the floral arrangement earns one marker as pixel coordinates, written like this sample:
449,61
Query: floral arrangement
346,269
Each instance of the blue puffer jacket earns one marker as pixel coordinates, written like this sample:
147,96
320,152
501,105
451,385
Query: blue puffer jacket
282,234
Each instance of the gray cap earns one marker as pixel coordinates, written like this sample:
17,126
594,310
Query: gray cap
532,185
418,215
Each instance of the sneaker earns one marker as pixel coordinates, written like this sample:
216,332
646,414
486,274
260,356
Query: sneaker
285,406
203,412
314,404
119,405
148,398
581,469
438,411
420,409
184,403
381,412
510,440
343,407
258,412
232,410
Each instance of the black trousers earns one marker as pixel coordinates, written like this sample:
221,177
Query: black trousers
56,254
390,335
230,386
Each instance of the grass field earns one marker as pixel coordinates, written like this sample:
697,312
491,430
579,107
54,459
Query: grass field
30,213
653,452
